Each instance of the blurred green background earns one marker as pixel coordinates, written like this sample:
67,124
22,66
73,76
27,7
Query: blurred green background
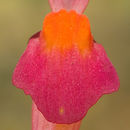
110,24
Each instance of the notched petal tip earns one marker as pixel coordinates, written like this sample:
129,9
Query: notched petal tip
77,5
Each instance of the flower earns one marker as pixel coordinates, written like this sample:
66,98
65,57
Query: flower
63,69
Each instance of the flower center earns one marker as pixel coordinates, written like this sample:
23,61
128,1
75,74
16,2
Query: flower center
64,30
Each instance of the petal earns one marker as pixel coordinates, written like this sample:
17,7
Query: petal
101,75
40,123
64,87
77,5
28,67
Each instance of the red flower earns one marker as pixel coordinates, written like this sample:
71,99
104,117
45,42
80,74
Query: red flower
63,69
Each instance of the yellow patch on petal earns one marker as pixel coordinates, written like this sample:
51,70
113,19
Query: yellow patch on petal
61,111
64,30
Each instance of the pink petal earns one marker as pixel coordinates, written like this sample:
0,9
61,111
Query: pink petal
40,123
64,87
29,66
38,120
77,5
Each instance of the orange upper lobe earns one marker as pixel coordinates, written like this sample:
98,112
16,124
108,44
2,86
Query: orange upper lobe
64,30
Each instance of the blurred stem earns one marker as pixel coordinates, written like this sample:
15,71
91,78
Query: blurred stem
40,123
